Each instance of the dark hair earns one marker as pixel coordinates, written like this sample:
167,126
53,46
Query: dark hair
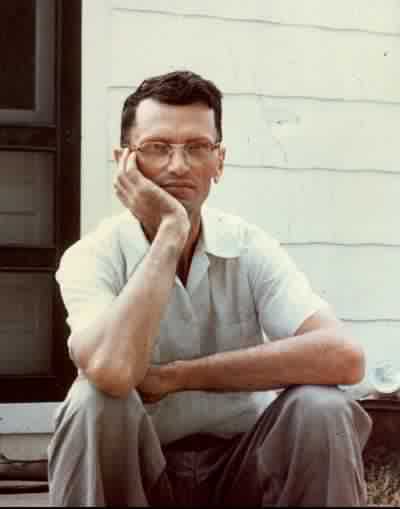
176,88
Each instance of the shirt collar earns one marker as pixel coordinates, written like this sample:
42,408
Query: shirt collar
222,234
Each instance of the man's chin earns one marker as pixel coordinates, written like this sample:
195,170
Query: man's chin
189,207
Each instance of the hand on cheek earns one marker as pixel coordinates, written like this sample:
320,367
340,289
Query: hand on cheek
143,198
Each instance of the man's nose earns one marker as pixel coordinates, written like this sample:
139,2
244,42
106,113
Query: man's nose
177,162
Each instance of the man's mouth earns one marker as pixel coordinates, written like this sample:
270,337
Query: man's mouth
178,187
177,184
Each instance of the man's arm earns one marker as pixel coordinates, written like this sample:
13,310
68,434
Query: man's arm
115,350
322,351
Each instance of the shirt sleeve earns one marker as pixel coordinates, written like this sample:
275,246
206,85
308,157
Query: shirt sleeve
283,295
88,283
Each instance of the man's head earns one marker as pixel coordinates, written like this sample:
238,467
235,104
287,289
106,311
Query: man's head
176,88
173,124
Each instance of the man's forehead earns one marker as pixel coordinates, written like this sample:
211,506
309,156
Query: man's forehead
152,115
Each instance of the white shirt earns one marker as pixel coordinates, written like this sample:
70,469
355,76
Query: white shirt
242,290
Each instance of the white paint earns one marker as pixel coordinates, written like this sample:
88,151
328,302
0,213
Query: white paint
339,14
247,57
311,134
95,56
380,339
362,283
25,446
313,206
25,418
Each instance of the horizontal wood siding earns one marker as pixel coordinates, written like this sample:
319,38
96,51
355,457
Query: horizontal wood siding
357,15
315,205
258,58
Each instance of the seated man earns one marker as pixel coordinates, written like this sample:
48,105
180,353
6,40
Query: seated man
184,322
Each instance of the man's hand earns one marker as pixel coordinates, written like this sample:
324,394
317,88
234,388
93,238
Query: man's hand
150,204
158,382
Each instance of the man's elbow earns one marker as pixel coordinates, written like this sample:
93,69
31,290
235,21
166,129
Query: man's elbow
117,379
355,364
114,375
114,388
117,383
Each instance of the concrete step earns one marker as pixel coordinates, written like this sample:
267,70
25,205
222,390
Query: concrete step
25,500
27,446
22,499
30,446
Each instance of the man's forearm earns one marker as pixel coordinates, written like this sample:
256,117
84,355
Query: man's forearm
115,351
324,356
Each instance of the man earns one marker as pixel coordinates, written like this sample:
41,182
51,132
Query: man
175,398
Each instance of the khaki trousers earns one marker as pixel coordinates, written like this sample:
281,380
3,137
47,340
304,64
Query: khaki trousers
305,449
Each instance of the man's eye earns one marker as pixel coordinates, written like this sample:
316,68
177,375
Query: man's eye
198,148
155,149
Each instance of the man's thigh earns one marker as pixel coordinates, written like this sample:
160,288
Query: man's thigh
207,470
250,468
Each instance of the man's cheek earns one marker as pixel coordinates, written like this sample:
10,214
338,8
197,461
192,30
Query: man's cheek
140,167
147,172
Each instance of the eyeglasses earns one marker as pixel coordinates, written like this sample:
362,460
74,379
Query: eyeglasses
158,154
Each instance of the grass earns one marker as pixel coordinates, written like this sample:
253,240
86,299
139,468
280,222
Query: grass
382,473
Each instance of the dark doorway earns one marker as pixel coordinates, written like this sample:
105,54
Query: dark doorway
40,117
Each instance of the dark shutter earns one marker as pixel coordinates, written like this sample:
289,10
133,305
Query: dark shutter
40,111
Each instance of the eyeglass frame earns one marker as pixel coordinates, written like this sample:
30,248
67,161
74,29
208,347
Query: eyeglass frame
213,146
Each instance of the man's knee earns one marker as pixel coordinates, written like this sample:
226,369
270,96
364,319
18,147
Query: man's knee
323,410
320,402
85,400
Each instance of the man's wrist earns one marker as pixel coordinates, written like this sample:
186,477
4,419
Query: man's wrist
176,229
177,374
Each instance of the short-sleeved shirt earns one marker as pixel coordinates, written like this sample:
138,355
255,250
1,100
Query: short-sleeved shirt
242,290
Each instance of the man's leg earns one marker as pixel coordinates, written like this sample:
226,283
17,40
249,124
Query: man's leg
105,451
306,449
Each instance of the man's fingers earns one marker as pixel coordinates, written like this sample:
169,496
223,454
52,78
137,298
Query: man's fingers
122,160
131,178
127,166
121,193
132,171
131,162
119,188
124,181
124,192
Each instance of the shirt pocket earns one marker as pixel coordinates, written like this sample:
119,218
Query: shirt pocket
178,340
243,333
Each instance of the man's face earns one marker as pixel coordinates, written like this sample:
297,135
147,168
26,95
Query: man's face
194,123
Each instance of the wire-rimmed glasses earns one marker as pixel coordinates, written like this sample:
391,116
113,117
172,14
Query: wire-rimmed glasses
158,154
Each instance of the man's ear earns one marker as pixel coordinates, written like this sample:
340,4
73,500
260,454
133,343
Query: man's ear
220,165
117,153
